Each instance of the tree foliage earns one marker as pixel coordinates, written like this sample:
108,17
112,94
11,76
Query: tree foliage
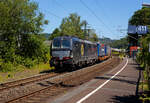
120,44
73,26
55,33
142,17
20,24
143,56
93,37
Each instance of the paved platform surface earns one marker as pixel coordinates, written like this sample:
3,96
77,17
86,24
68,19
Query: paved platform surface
116,86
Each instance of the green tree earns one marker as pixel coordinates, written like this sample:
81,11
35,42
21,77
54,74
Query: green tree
54,34
120,44
18,20
72,25
93,37
141,17
144,57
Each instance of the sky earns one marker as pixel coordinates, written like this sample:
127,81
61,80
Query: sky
109,18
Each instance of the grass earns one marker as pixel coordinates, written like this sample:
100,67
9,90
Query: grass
120,54
115,52
144,86
23,72
145,98
145,95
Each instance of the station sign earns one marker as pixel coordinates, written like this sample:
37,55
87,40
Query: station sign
132,29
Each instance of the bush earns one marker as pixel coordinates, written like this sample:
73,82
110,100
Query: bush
33,51
1,61
46,54
18,60
5,67
28,63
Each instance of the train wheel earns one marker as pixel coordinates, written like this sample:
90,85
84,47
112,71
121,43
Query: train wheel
73,67
57,69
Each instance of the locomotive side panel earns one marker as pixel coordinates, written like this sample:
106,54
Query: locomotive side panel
76,51
67,50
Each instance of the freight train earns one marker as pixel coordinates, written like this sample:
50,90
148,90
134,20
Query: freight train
72,51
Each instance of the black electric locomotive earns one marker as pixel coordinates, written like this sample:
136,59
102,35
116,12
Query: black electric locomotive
72,51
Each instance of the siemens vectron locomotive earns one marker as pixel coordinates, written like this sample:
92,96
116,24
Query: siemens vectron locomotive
72,51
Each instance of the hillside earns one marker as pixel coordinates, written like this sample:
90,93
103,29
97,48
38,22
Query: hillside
106,40
120,44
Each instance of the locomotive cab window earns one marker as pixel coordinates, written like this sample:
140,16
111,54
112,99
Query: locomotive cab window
65,43
61,43
56,43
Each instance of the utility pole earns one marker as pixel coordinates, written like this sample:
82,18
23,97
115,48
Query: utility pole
88,33
85,28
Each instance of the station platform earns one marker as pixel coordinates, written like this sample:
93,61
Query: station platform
120,85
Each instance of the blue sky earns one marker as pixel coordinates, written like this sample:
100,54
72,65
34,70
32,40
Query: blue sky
113,14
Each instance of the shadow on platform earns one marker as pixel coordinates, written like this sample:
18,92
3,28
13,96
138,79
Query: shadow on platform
125,99
130,98
116,79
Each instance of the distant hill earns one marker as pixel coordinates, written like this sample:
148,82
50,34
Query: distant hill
120,44
107,41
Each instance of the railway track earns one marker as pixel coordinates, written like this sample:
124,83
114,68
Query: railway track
63,83
22,82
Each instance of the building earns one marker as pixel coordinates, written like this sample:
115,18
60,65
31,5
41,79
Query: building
146,5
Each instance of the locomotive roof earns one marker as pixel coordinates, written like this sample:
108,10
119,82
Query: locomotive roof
63,37
76,38
89,42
